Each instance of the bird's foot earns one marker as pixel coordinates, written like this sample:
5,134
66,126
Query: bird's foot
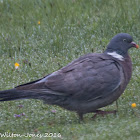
103,113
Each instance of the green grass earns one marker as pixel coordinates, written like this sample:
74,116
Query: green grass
67,30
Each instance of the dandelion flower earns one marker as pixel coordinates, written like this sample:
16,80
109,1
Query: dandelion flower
133,105
38,22
16,65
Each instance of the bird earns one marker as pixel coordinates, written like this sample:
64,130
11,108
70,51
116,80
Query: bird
85,85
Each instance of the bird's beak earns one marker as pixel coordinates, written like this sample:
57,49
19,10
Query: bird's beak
135,45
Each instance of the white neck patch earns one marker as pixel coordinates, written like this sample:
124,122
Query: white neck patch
116,55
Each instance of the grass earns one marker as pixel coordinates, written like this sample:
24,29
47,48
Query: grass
67,30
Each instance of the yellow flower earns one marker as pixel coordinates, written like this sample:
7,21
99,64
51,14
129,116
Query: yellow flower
16,65
133,105
39,22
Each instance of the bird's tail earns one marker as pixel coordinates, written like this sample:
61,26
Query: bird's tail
46,95
15,94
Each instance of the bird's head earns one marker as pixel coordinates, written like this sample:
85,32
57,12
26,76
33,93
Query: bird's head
120,44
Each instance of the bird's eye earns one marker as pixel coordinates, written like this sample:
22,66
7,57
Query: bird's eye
124,40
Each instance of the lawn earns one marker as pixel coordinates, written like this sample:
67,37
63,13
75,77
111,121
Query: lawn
45,35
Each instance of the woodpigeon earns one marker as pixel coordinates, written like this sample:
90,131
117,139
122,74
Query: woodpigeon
86,84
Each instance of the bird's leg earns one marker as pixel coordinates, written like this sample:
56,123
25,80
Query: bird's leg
103,113
117,105
80,116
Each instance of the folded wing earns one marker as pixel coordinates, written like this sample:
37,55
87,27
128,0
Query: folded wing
90,77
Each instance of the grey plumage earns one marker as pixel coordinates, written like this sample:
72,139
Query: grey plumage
86,84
